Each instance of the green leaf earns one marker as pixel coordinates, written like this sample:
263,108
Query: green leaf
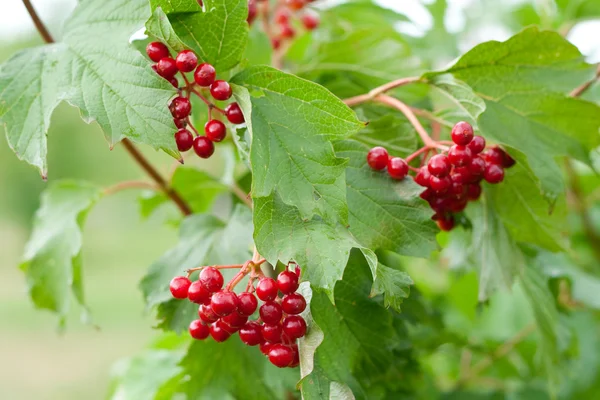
465,105
292,122
387,130
159,28
81,70
393,284
196,187
217,35
204,240
52,262
383,213
523,81
358,322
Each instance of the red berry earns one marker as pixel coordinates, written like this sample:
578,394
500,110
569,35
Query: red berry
207,315
377,158
445,223
459,155
252,11
266,290
211,278
427,194
173,81
215,130
203,146
422,177
198,330
439,165
310,21
397,168
296,4
220,90
235,320
507,160
281,356
205,74
180,107
493,173
473,191
293,303
297,271
197,293
275,43
296,361
166,67
458,205
457,189
186,61
233,112
265,347
439,185
494,155
461,175
270,312
179,287
462,133
247,304
440,204
272,332
218,333
287,282
477,168
156,51
223,325
294,327
223,303
251,334
184,140
286,31
180,123
282,16
477,145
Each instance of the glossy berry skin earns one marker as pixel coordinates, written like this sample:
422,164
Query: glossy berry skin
235,320
173,81
197,293
461,175
223,303
493,173
220,90
215,130
457,189
494,155
458,205
270,312
166,67
205,75
296,361
477,168
439,165
287,282
445,223
179,287
477,145
224,326
294,327
156,51
265,347
310,21
440,185
422,177
473,191
207,315
459,155
293,303
251,334
507,160
211,278
397,168
180,123
198,330
218,333
272,332
275,43
180,107
281,356
203,146
186,61
462,133
377,158
233,112
247,304
184,139
266,290
252,11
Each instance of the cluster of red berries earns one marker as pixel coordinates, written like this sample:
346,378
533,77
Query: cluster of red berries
222,312
452,178
181,107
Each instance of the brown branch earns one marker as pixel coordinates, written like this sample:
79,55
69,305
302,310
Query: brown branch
39,25
118,187
578,91
363,98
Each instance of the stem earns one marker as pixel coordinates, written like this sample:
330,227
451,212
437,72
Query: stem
156,176
245,198
578,91
39,25
417,153
205,100
363,98
118,187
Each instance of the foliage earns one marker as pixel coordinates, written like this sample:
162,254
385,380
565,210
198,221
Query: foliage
504,305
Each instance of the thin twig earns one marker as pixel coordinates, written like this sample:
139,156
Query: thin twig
240,194
578,91
39,25
118,187
363,98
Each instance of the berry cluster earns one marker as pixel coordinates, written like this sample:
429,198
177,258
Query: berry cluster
453,177
222,312
204,83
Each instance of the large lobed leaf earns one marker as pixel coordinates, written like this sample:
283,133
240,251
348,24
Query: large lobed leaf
52,262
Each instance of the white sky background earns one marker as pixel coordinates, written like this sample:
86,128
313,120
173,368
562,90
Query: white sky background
15,23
